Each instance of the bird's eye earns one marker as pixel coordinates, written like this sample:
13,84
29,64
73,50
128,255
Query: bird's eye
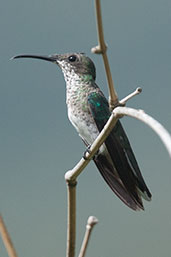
72,58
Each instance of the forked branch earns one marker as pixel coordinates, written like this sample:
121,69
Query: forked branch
116,114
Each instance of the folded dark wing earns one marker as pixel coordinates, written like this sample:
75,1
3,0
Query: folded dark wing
124,177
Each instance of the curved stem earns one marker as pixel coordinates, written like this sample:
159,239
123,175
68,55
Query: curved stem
116,114
151,122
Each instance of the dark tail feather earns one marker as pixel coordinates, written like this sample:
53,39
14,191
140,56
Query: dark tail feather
108,173
119,148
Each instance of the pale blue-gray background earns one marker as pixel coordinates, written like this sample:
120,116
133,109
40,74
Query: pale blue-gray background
38,144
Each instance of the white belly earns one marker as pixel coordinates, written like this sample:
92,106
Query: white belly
86,128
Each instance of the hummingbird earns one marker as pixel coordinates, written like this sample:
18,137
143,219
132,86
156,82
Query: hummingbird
88,111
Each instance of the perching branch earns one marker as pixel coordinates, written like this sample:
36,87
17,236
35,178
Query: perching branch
102,49
74,173
90,225
116,114
6,239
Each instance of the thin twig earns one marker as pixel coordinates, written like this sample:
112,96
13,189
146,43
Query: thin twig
6,239
74,173
71,226
89,227
102,49
119,112
136,92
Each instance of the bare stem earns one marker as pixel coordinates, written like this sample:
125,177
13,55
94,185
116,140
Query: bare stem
71,227
74,173
102,49
128,97
117,113
6,239
90,225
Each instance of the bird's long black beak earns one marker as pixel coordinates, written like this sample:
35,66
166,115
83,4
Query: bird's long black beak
50,58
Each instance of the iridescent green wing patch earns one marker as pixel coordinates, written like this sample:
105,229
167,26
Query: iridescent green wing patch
99,109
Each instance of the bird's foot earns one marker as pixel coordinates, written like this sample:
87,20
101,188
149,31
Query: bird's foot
88,151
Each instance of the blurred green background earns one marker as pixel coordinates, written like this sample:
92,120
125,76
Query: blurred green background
38,144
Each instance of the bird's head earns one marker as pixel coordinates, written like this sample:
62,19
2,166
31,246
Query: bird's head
70,63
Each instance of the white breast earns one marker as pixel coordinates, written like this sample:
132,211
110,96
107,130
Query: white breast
86,129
